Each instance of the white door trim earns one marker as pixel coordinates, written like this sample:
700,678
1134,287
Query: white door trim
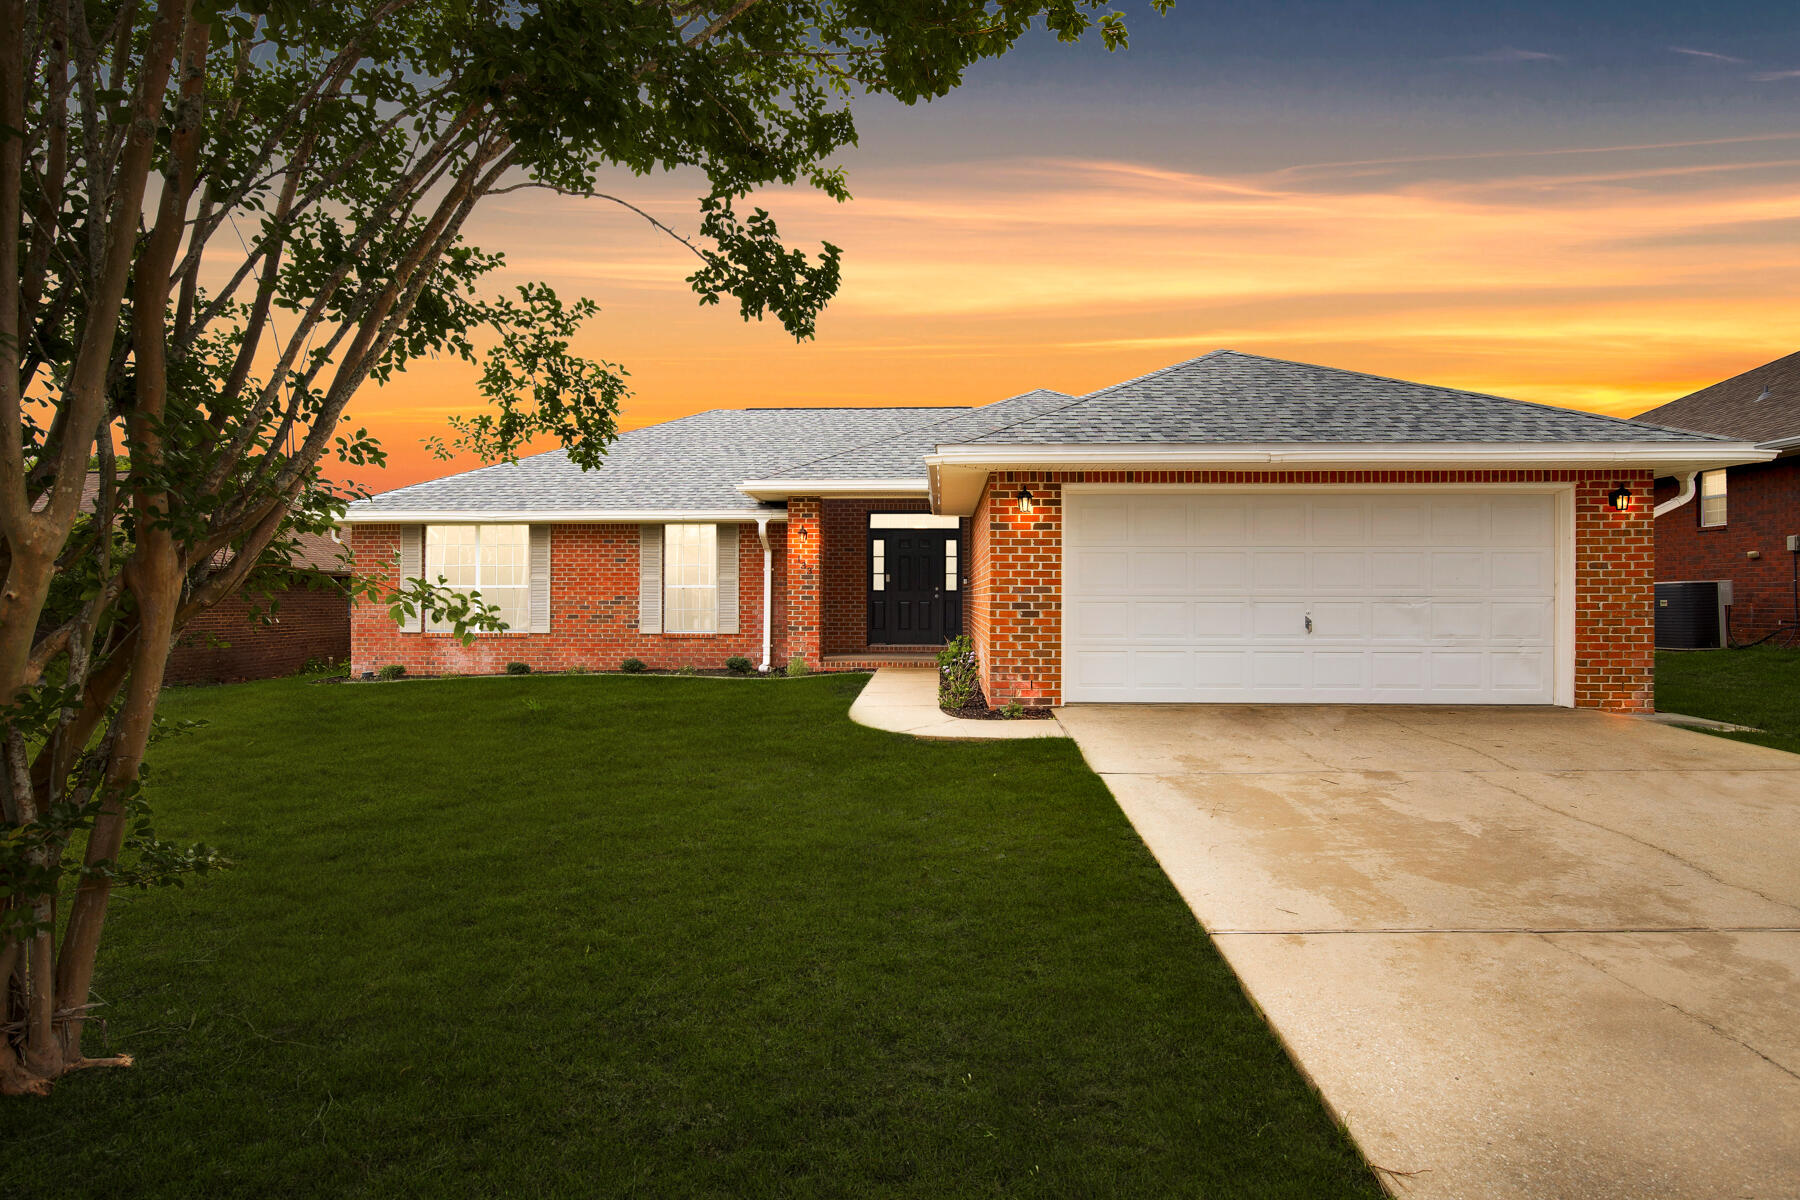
1563,670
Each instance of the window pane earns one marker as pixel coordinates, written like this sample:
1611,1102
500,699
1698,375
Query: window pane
488,561
690,568
1712,498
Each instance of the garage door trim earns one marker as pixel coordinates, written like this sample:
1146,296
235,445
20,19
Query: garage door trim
1563,647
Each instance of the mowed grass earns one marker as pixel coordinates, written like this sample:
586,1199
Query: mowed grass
603,936
1759,687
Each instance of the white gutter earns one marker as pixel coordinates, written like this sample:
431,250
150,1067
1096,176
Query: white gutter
762,535
781,489
1780,444
358,514
1681,497
1688,455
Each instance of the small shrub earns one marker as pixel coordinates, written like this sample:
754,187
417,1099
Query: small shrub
632,666
686,669
797,667
959,673
737,664
1013,710
518,668
392,671
576,671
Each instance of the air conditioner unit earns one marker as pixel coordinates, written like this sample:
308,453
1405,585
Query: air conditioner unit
1690,614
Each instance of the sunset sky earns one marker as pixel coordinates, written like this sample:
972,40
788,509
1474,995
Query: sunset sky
1593,205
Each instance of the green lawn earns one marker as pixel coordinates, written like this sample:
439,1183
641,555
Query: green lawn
1759,687
603,936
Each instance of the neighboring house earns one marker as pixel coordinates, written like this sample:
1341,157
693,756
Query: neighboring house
249,638
1739,519
1231,528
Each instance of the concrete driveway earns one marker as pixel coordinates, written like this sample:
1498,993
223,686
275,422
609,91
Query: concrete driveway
1522,952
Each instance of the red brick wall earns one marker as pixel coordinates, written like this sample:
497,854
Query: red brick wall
1017,572
223,644
1762,507
805,580
593,611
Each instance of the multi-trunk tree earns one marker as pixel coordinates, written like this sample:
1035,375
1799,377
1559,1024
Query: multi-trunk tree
218,222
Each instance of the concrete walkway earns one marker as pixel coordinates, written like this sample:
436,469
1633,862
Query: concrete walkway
1522,952
904,700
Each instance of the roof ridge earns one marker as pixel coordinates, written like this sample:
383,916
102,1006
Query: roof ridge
1537,404
1081,399
963,411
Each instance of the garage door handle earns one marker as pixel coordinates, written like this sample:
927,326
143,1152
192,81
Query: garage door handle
1309,622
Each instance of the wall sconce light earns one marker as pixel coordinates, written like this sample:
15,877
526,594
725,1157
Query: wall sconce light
1619,499
1025,501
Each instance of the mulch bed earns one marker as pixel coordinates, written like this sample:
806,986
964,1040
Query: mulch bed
977,710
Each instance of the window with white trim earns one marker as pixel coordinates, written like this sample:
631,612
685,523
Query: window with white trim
1712,499
690,578
490,561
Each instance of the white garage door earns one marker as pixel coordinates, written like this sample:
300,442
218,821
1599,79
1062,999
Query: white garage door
1309,597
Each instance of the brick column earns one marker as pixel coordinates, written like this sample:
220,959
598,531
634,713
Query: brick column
1615,594
805,584
1022,590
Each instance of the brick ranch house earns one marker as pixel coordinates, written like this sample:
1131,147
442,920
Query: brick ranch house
267,636
1739,528
1230,528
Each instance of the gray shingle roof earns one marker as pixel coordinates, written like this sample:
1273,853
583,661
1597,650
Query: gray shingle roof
692,464
902,456
1228,397
1761,405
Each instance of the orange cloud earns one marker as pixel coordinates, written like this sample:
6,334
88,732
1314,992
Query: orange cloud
1624,278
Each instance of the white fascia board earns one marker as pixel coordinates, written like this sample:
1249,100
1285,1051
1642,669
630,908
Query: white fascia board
1663,456
782,489
1781,444
573,516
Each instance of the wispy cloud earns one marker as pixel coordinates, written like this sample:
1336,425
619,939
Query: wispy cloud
1772,76
1710,55
1509,54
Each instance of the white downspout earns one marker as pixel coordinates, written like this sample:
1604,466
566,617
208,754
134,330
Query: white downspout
762,535
1679,498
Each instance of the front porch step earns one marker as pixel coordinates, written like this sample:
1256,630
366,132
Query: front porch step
870,660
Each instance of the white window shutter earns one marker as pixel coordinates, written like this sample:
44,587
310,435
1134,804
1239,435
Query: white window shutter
650,578
540,579
412,566
727,578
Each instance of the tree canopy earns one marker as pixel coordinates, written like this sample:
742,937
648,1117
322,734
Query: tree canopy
219,221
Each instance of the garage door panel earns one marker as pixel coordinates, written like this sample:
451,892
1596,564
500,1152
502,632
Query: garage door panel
1523,570
1160,621
1344,523
1217,524
1281,522
1160,571
1220,571
1412,598
1099,572
1399,571
1277,570
1340,571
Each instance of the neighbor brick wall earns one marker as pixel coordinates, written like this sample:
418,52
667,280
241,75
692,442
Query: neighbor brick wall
224,644
1016,584
593,611
1762,507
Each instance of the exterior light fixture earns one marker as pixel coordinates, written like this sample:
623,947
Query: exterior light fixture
1025,500
1619,499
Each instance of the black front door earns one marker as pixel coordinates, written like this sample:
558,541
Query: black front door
915,587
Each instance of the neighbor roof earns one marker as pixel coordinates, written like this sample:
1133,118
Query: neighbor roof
1227,397
689,465
1761,405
